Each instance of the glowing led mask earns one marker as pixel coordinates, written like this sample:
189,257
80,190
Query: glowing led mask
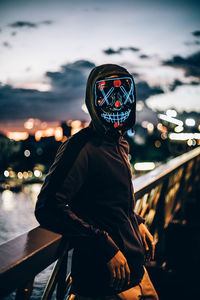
114,98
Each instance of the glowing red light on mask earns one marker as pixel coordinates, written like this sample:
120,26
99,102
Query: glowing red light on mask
117,104
117,83
101,84
116,125
99,101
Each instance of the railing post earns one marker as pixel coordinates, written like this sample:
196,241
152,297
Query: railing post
181,194
58,273
161,222
60,292
190,197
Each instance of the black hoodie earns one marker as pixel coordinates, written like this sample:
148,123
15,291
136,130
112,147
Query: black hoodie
88,197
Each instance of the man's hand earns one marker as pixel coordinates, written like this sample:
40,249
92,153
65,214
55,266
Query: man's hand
148,240
119,271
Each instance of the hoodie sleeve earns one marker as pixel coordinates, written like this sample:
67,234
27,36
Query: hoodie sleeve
68,223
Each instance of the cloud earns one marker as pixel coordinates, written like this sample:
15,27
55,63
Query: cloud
190,64
72,77
192,43
111,51
47,22
196,33
194,83
134,49
7,45
27,24
175,84
20,24
195,42
184,98
61,103
143,56
178,83
144,91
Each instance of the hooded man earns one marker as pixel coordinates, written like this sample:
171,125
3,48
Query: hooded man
88,196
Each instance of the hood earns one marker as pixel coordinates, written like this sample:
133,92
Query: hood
98,73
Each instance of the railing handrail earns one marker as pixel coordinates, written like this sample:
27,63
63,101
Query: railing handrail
25,256
149,180
28,254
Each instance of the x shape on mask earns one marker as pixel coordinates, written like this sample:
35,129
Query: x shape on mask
126,94
105,99
106,95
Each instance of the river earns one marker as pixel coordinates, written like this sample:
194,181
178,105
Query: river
17,217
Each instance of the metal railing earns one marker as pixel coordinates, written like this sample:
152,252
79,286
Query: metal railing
160,195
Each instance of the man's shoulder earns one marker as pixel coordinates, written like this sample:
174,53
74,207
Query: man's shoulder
77,140
69,150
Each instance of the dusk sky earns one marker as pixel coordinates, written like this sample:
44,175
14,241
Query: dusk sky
47,49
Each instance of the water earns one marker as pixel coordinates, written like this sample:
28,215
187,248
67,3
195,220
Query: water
17,217
17,212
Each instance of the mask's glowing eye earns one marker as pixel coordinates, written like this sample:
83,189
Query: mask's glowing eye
101,85
117,83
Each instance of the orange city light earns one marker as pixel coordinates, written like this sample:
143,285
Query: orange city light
76,126
56,132
17,136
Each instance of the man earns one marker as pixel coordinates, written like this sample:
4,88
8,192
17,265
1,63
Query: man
88,196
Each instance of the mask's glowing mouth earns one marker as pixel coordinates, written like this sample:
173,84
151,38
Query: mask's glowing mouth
114,117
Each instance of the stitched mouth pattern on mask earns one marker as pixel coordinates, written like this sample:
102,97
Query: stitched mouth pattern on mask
118,117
